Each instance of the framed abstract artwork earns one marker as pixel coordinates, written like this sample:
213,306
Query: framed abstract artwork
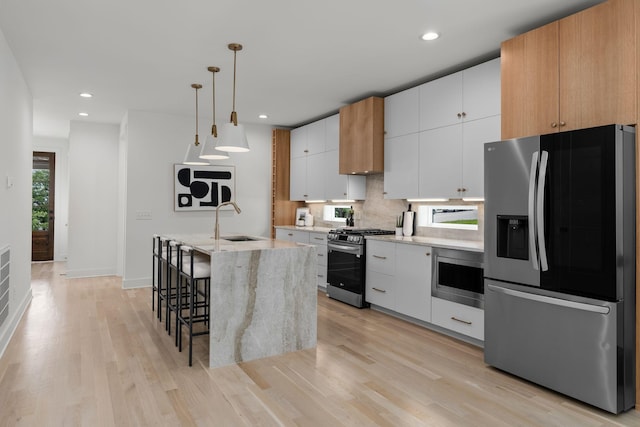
203,188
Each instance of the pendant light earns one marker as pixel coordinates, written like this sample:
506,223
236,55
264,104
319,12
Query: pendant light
193,150
209,151
234,138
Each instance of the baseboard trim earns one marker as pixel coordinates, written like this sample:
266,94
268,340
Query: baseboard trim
144,282
6,336
91,273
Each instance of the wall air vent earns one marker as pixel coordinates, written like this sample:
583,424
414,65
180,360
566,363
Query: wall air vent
5,257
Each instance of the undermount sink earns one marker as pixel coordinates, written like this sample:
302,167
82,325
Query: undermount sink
239,239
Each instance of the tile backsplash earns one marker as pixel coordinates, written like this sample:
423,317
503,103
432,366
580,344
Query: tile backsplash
378,212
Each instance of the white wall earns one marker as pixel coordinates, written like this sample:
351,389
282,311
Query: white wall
16,124
155,142
60,147
93,199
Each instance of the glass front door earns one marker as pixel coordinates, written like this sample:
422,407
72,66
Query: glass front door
42,213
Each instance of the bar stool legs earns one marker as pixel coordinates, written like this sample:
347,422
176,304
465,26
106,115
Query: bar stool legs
193,295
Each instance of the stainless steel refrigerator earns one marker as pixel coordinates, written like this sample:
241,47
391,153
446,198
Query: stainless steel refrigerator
560,262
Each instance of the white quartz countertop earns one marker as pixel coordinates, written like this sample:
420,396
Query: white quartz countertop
313,229
205,242
468,245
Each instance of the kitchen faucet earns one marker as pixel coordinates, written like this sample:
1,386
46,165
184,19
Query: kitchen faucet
217,229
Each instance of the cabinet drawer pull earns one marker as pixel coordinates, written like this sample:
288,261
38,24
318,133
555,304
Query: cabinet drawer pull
318,238
466,322
320,275
379,257
306,151
459,115
379,290
428,254
562,124
320,254
289,234
554,125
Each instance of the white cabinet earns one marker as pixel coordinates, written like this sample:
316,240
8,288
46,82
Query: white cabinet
467,95
474,135
398,278
460,318
341,187
332,133
297,236
315,161
319,240
401,166
440,154
402,113
456,115
451,158
380,273
413,281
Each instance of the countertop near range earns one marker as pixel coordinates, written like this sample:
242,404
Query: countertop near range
312,229
467,245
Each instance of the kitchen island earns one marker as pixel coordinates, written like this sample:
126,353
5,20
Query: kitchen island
263,299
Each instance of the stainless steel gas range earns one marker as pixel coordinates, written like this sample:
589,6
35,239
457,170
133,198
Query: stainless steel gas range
346,264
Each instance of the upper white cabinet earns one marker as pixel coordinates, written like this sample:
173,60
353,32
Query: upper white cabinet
315,163
452,158
401,166
402,113
467,95
435,135
332,133
341,187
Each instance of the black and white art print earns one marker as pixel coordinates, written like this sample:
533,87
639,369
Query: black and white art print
203,188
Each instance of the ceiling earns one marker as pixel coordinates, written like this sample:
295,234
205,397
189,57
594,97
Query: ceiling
301,60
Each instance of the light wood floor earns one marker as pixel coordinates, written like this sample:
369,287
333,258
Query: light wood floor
88,353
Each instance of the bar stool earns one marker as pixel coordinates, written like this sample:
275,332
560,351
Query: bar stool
193,295
158,280
173,282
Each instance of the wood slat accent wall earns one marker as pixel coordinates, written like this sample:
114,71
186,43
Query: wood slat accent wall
283,211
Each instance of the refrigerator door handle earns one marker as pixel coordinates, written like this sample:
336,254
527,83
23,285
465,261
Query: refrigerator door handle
542,176
550,300
532,204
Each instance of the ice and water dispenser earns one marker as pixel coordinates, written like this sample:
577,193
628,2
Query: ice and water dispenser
513,237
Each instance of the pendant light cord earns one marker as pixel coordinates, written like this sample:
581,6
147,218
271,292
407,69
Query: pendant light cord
197,142
234,116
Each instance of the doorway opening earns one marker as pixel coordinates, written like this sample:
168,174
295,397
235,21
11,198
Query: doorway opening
43,175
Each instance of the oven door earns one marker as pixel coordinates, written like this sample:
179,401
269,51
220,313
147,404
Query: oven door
345,267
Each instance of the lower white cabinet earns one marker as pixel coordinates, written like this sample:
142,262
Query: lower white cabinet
298,236
318,239
398,278
460,318
413,281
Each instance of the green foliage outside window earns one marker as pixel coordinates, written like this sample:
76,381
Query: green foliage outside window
40,200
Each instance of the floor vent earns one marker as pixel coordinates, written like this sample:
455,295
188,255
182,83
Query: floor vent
5,257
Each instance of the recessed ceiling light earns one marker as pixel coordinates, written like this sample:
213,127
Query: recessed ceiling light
83,114
263,116
431,35
86,95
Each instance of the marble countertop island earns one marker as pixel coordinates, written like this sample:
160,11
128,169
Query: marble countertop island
263,299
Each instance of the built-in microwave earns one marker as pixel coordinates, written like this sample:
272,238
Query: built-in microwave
458,276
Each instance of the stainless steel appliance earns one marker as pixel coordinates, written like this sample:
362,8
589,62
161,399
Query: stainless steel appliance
458,276
560,262
346,264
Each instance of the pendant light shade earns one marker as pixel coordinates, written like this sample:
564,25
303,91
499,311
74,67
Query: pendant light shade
209,151
233,137
192,156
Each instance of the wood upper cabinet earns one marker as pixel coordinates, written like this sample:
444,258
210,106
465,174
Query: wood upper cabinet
362,137
574,73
